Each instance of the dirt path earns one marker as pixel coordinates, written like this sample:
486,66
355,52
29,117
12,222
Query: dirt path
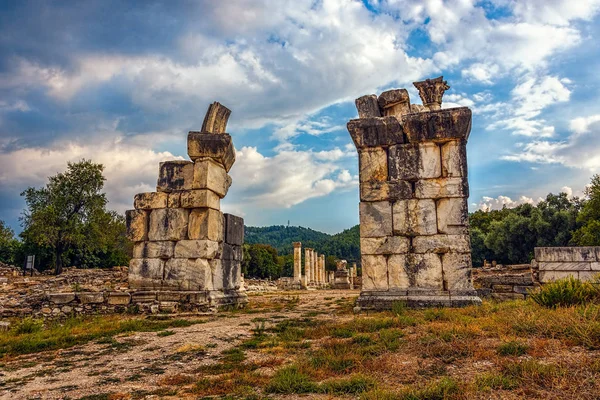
139,363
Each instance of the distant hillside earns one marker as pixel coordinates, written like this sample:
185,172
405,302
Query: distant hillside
345,245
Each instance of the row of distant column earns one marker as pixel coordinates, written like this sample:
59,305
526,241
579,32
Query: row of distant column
314,267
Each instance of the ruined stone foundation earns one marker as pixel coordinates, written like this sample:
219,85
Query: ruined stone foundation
185,249
414,237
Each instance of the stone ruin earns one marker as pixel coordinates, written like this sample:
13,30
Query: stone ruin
414,237
185,248
314,268
341,276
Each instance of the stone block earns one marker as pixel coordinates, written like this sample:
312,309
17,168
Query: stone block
523,289
414,217
395,102
232,252
375,132
234,229
560,254
162,249
176,274
375,219
424,271
175,175
61,298
197,249
441,244
457,271
549,276
414,161
90,297
200,275
146,273
206,223
385,245
232,274
507,296
453,216
218,147
137,225
503,288
174,200
148,201
367,106
200,199
380,191
216,268
212,176
397,272
565,266
595,266
168,224
438,126
588,275
119,298
374,273
215,120
441,188
373,165
454,159
143,297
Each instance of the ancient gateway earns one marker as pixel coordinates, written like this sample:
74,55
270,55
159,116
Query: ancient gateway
185,249
414,236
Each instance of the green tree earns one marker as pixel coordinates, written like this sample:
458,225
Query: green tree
9,245
261,261
588,234
68,215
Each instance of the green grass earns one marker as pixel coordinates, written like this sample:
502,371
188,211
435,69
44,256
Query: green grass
495,381
165,333
290,380
567,292
512,348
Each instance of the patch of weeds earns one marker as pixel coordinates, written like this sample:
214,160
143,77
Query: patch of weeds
165,333
436,314
290,380
512,348
398,308
390,338
442,389
342,333
234,355
533,371
176,380
566,292
28,325
495,381
355,385
363,339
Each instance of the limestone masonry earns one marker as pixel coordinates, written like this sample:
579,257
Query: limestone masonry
183,243
414,236
561,262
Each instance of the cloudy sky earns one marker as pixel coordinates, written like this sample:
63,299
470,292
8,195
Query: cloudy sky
123,82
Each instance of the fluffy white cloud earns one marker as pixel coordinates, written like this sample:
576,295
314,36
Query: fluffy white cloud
497,203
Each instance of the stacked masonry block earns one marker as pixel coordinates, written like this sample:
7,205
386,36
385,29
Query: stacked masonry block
414,236
554,263
182,241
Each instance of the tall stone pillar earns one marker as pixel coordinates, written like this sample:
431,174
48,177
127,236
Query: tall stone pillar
313,271
414,236
307,263
297,262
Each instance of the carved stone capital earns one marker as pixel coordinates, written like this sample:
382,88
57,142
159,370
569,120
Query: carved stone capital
431,92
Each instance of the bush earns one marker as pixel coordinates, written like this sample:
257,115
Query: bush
290,380
567,292
29,325
512,348
354,385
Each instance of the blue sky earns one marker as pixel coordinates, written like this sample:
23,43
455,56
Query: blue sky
122,83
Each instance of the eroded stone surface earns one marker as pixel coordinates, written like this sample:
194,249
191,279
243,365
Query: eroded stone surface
216,147
389,190
438,126
148,201
374,273
234,229
137,225
200,199
175,175
414,161
385,245
206,223
367,106
208,249
162,249
374,132
442,244
454,159
375,219
441,188
414,217
212,176
215,119
457,271
373,165
146,273
453,216
398,271
424,271
168,224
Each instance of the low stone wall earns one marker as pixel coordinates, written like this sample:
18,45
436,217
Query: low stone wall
505,282
260,285
560,262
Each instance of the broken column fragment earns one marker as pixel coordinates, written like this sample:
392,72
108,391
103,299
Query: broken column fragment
415,243
183,242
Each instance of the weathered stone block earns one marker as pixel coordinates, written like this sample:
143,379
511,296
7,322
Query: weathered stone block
595,266
453,216
395,102
441,188
175,175
373,164
424,271
91,297
143,297
216,268
212,176
438,126
174,200
507,296
454,159
206,223
565,266
375,219
176,274
148,201
232,273
442,244
119,298
168,224
146,273
414,161
559,254
587,275
200,275
232,252
200,199
61,298
137,225
375,132
549,276
503,288
234,229
162,249
380,191
374,273
219,147
457,271
367,106
414,217
385,245
197,249
215,120
397,272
